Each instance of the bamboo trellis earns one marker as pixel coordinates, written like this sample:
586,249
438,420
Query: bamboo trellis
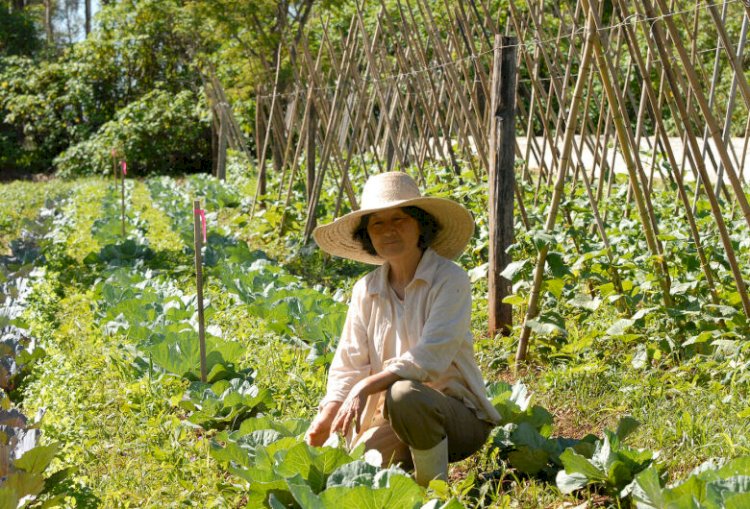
599,85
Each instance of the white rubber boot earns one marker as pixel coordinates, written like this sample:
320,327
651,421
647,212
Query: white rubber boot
431,463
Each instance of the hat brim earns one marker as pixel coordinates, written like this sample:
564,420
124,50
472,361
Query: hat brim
456,228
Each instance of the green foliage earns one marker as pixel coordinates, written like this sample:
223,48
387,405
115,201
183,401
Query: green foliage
43,108
160,132
523,437
282,469
609,463
18,32
129,86
226,402
711,486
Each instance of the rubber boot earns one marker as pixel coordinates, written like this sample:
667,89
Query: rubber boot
431,463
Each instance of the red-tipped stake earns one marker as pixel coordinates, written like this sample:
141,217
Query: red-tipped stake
124,167
199,226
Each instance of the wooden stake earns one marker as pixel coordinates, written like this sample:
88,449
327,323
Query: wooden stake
122,198
198,229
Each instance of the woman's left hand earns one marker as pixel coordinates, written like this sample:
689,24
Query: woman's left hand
351,410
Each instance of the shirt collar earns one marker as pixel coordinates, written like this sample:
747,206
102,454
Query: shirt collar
425,272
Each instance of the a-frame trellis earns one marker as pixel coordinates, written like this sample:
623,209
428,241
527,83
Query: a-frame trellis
414,86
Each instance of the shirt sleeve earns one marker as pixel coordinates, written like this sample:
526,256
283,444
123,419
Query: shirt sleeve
446,328
351,362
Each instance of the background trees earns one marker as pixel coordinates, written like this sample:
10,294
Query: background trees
65,75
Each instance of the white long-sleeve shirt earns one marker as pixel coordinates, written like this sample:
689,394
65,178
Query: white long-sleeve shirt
426,338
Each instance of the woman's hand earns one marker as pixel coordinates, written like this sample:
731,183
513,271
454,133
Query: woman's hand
320,428
351,410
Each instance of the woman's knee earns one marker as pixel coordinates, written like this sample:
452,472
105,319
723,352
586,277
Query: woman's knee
405,395
414,415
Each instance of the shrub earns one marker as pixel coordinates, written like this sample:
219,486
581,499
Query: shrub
161,132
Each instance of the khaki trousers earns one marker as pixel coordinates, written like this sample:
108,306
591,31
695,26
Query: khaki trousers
420,417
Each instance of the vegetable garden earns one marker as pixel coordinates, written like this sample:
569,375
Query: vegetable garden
628,271
101,347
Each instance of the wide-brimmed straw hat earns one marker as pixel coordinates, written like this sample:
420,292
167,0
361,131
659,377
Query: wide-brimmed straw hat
390,190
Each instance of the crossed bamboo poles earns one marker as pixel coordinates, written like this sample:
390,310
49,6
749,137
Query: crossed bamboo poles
394,98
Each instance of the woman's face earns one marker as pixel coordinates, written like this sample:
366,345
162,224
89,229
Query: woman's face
393,233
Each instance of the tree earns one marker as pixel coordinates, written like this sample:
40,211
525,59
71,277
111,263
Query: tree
87,24
18,33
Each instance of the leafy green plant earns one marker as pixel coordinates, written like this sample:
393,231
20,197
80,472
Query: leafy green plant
523,438
282,469
609,463
23,461
18,353
225,402
712,486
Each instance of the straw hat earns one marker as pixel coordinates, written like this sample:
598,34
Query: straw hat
391,190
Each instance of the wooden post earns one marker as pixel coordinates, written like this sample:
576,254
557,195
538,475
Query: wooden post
114,165
199,219
122,180
502,144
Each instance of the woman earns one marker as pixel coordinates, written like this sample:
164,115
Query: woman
403,380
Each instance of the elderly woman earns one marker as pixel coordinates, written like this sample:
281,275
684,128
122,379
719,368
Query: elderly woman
403,380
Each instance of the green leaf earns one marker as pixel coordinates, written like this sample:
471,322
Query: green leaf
542,238
453,503
735,467
557,265
568,483
618,474
299,460
528,460
303,493
584,301
514,300
513,268
626,426
647,491
574,463
738,501
8,498
641,313
25,483
356,473
555,287
37,459
392,490
620,327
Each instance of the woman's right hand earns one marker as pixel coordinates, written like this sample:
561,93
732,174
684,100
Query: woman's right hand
320,428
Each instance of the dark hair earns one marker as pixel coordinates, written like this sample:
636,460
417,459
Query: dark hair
428,229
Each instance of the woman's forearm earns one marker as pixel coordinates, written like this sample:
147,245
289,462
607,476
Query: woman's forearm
376,383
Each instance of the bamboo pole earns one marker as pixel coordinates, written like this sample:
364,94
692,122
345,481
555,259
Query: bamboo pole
633,165
454,81
659,44
260,188
533,306
662,131
726,133
713,126
123,169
